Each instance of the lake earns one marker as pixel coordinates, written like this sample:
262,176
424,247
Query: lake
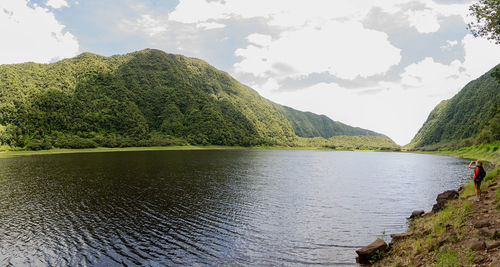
211,208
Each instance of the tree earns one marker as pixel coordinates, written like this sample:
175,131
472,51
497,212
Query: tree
487,19
487,23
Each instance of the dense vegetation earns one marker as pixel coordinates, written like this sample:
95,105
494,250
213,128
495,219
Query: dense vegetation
307,124
145,98
471,117
343,142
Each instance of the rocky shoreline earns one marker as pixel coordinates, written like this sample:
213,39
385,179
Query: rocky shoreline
457,232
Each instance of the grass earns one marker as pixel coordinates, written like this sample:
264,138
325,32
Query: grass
378,255
468,191
497,197
490,175
453,216
417,247
451,257
447,257
433,238
487,152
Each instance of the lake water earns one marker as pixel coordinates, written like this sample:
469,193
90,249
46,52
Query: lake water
211,208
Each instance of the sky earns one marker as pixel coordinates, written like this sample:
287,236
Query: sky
382,65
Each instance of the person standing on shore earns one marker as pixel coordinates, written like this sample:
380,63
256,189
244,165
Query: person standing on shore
479,174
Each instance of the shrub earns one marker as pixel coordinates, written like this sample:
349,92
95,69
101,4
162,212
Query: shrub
37,144
74,141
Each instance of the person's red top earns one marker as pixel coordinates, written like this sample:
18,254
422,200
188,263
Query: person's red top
475,173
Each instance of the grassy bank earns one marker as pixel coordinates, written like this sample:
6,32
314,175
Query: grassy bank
362,143
486,152
6,154
14,153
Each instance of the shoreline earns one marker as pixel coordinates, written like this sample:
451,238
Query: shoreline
462,233
17,153
486,154
8,154
492,158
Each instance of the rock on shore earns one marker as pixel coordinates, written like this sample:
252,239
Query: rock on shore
443,198
369,252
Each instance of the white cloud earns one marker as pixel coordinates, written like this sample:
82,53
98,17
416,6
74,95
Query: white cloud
391,112
461,9
150,25
280,12
344,49
425,21
32,34
433,76
259,39
286,13
145,24
210,25
57,3
398,109
480,55
449,44
195,11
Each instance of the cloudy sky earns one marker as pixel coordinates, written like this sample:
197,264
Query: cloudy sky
376,64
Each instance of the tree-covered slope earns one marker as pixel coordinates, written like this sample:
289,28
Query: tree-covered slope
307,124
139,99
471,116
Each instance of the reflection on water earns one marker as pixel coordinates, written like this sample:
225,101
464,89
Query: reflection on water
242,207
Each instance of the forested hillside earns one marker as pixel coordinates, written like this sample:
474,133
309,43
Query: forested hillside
143,98
307,124
471,117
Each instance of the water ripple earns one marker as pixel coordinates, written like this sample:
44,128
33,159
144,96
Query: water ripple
210,208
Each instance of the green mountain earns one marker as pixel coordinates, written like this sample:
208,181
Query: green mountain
470,117
143,98
307,124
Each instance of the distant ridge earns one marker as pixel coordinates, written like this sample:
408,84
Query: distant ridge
308,124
